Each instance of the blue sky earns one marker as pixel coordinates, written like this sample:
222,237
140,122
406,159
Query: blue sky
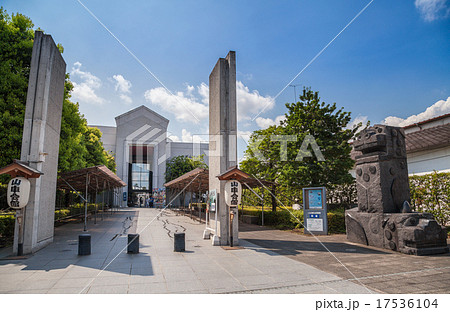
391,62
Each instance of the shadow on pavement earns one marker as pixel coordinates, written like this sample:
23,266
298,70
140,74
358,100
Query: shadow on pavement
288,248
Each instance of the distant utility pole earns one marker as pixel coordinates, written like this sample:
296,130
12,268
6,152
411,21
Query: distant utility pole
295,92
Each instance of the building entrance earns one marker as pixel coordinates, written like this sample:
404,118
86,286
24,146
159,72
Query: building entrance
140,176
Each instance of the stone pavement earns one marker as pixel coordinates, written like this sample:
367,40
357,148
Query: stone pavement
379,269
157,268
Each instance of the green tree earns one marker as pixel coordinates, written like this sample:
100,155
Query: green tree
16,42
261,160
179,165
310,118
80,145
71,149
310,147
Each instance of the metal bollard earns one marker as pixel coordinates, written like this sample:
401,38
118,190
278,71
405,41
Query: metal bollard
84,244
133,244
178,242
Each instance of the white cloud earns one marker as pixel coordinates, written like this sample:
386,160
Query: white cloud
432,9
437,109
357,120
173,138
186,136
250,103
194,102
85,91
264,123
184,106
126,99
122,85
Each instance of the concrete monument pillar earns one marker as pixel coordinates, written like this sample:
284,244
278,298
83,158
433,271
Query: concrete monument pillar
40,142
222,140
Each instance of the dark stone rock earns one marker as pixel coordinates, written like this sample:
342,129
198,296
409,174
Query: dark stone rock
383,217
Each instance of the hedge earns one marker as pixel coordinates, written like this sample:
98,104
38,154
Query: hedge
7,221
6,229
431,193
293,219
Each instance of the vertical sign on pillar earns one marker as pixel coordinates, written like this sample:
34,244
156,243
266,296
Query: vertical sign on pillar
233,193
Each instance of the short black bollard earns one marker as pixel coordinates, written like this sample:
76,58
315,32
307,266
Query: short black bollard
84,244
178,242
133,244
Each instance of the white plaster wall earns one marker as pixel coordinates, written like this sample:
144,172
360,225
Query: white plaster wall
427,161
108,137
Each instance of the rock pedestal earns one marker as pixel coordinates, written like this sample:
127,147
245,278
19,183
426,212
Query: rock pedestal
383,217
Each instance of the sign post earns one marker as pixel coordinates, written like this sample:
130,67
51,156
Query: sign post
233,193
18,194
315,210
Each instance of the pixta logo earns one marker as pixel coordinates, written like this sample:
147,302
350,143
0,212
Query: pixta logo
219,144
303,152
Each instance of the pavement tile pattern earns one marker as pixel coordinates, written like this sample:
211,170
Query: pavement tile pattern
381,270
157,269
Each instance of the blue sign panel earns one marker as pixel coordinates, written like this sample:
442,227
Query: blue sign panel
315,199
124,196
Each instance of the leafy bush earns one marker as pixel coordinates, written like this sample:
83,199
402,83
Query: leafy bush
61,214
6,228
431,193
336,222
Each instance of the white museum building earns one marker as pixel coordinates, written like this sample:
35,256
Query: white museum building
141,148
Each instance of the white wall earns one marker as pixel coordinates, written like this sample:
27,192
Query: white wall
427,161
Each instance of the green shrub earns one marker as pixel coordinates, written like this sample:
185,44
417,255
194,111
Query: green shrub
6,228
431,193
61,213
336,222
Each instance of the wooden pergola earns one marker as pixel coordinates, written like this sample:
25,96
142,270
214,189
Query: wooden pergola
198,180
192,181
97,179
92,180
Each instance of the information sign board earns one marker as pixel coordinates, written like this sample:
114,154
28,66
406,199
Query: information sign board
315,210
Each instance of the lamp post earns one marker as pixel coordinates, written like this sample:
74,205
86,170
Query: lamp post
295,91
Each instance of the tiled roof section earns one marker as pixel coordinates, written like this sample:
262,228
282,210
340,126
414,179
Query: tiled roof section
431,138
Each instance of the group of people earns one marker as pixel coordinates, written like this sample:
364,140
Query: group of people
146,202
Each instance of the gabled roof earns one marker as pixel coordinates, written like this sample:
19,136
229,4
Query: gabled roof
138,112
20,168
198,180
430,138
192,181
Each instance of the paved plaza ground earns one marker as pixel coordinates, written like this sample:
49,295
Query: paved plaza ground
271,261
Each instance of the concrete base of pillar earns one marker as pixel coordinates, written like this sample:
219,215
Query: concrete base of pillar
216,240
206,234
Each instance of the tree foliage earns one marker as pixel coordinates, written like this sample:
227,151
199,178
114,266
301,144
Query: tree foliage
308,123
16,42
179,165
80,145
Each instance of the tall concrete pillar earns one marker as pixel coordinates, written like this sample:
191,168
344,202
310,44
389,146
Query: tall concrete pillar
222,139
40,142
